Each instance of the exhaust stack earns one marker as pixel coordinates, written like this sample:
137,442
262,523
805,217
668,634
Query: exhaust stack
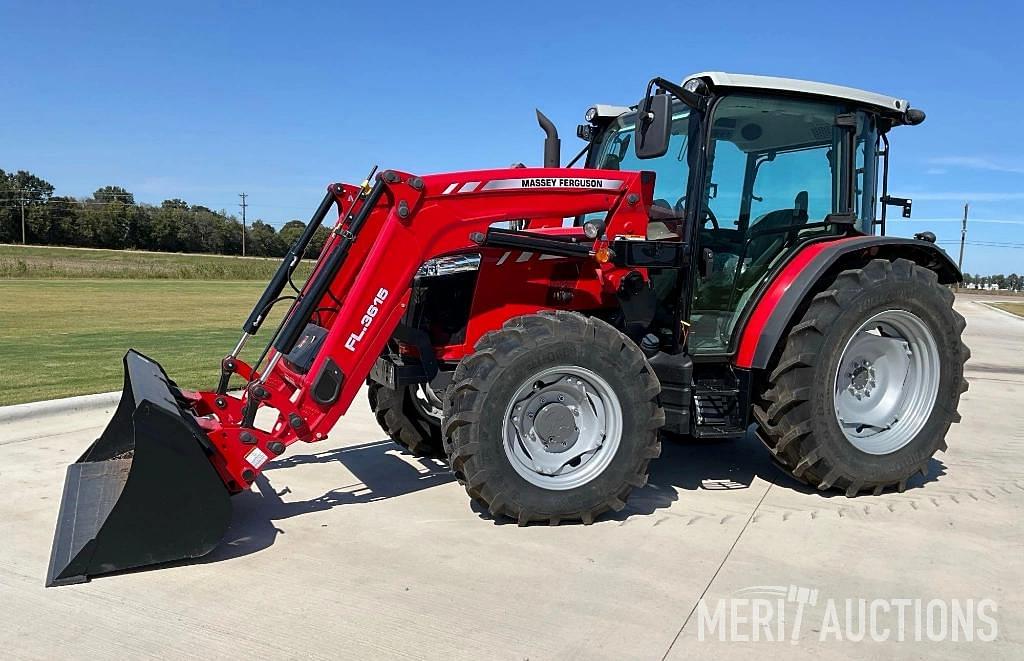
552,145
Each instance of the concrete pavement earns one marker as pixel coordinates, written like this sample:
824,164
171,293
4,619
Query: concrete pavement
351,549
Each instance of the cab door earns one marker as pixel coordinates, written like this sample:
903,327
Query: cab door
778,169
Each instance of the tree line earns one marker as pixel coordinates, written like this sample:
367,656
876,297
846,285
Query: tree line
1012,282
111,218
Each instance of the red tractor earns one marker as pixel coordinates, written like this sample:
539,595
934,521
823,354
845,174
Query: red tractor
716,264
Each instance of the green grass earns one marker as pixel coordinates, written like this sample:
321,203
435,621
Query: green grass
1015,308
66,337
36,262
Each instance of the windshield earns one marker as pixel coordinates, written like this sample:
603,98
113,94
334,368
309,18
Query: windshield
615,152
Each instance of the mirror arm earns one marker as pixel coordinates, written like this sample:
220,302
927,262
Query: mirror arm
695,101
644,111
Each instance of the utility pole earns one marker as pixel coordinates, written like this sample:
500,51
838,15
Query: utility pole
22,200
243,205
963,238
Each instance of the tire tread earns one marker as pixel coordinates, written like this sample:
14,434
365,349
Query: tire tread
784,416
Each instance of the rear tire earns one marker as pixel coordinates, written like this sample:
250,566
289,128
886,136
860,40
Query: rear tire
818,391
405,419
550,367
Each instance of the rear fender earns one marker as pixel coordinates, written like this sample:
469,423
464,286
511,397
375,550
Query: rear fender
806,273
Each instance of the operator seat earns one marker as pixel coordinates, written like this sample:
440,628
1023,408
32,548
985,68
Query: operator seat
800,202
765,246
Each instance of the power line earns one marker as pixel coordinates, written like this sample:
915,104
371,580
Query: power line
81,204
983,244
52,199
78,203
49,193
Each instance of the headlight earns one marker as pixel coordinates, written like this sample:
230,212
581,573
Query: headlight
448,265
591,114
593,228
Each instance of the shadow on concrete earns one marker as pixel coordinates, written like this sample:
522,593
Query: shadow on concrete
727,465
379,474
733,464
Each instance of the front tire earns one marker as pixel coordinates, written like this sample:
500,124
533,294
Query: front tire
407,415
868,381
554,417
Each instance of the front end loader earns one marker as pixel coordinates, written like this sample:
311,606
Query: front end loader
715,266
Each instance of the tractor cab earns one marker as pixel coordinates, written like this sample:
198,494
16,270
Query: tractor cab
758,166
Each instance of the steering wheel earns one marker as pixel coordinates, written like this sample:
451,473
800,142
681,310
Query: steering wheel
680,209
710,216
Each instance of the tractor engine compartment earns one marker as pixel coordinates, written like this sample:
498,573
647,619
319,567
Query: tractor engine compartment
442,295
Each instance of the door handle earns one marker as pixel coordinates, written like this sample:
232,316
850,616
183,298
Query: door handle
707,262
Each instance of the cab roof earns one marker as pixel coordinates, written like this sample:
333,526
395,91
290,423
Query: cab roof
890,104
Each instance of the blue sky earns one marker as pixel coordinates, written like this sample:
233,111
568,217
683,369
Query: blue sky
204,101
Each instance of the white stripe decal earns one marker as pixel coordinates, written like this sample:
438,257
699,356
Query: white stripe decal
525,257
503,258
469,187
543,257
450,188
553,182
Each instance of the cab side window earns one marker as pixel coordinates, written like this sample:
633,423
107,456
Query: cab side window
775,175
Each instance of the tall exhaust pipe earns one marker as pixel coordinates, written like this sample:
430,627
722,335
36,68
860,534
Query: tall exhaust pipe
552,145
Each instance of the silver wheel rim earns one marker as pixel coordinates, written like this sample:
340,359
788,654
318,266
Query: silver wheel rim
426,401
887,383
562,428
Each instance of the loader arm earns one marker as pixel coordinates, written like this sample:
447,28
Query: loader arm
361,285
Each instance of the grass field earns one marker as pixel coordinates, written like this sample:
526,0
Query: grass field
38,262
1014,307
68,315
66,337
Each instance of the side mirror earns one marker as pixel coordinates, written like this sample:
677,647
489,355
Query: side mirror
906,203
653,126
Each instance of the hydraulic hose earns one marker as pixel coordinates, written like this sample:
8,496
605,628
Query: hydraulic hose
288,264
317,287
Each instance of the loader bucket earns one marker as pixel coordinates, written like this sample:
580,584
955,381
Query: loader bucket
145,492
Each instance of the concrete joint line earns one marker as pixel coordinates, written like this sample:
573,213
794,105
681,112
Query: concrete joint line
715,575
